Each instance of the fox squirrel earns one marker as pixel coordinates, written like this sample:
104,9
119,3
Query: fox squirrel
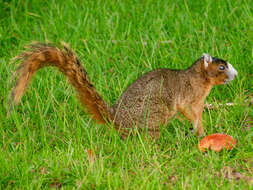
149,101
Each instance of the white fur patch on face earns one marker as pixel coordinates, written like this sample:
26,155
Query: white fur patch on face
207,59
231,73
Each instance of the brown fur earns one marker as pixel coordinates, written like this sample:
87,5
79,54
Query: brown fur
151,100
65,60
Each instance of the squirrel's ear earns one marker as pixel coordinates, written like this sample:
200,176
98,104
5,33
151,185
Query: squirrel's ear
207,59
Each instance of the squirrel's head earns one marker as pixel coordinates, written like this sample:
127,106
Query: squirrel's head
217,70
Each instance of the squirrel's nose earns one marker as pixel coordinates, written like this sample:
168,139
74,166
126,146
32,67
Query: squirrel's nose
236,73
231,71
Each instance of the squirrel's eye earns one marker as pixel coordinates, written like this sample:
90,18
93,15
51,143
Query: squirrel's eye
221,67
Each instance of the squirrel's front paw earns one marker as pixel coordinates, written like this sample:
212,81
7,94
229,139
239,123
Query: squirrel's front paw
200,132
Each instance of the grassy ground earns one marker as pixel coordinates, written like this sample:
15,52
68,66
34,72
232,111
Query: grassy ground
49,142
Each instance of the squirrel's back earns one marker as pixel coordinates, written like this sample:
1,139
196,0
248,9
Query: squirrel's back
151,98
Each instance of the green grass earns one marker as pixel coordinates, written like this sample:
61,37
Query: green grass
44,141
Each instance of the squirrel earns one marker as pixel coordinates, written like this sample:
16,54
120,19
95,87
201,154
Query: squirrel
150,101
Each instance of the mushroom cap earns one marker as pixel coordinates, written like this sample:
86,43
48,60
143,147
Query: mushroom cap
217,142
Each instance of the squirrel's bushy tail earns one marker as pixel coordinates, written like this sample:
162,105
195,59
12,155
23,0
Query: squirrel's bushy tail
40,55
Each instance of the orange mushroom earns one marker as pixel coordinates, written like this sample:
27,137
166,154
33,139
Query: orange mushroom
217,142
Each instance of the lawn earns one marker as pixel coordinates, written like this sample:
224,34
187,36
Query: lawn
48,141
